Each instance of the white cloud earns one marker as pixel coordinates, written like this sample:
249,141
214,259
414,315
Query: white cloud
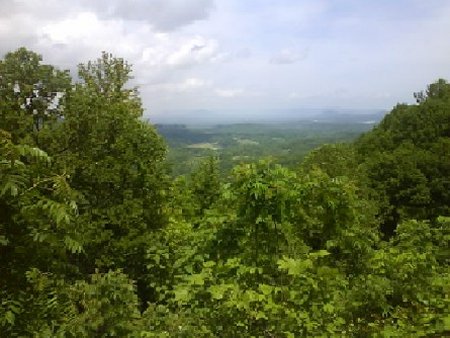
288,56
84,36
44,10
181,51
229,93
243,53
80,28
163,15
187,85
213,54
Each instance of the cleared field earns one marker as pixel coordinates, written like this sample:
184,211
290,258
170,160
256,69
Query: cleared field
205,145
246,141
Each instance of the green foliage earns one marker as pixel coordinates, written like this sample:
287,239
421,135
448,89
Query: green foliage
31,94
107,305
406,159
95,241
191,197
205,184
227,275
234,144
115,162
339,161
37,212
416,308
309,297
33,199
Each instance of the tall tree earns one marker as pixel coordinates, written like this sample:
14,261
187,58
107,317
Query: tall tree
31,94
406,158
116,162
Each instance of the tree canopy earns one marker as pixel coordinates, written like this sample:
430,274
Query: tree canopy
96,239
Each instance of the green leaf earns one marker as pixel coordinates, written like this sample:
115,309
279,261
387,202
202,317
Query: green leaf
295,267
446,321
266,289
328,308
3,240
196,279
218,291
209,264
10,317
182,295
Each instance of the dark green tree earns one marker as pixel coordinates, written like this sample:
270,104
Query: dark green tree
37,229
336,160
116,163
406,158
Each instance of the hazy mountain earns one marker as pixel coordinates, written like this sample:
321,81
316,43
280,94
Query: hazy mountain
212,117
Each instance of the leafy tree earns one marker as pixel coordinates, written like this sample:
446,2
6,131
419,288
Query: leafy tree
115,162
405,158
264,195
37,228
336,160
388,298
104,305
95,241
205,184
31,95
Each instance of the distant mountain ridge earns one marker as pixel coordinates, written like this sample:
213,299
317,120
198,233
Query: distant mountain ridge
214,117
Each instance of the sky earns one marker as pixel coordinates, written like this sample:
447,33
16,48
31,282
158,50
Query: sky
245,55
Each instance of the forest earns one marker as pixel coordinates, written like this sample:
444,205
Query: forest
99,238
237,143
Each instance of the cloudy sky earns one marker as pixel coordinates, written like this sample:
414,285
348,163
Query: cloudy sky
243,54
